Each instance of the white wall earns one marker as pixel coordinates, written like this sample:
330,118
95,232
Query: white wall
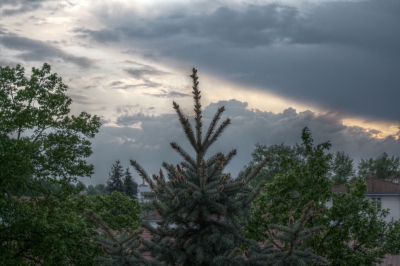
391,202
143,189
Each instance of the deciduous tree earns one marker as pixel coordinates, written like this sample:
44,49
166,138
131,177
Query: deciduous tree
355,232
383,167
42,147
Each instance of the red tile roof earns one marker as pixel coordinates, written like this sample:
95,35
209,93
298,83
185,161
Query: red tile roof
375,185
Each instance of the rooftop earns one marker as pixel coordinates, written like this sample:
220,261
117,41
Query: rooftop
375,186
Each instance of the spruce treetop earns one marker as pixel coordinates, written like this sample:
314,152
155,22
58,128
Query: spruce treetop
202,208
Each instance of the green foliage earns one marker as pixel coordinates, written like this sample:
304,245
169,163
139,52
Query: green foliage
115,181
130,186
301,183
352,216
34,113
382,167
59,230
342,169
80,186
46,231
123,249
92,191
341,166
285,245
117,210
42,151
102,188
273,166
147,208
357,233
290,240
99,189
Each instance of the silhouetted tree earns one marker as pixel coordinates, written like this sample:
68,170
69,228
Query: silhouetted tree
382,167
115,181
130,186
342,168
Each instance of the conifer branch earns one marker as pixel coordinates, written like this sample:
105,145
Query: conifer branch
257,170
214,121
184,154
140,171
197,105
202,173
254,195
189,168
230,156
218,166
186,126
216,134
96,218
164,186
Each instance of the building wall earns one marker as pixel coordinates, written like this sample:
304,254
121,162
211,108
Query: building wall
391,202
141,190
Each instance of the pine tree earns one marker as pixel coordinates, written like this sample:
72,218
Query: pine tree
115,180
284,246
130,186
292,238
202,208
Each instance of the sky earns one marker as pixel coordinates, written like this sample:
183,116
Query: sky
276,66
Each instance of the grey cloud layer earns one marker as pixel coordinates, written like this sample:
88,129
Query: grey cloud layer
34,50
15,7
139,73
340,56
150,144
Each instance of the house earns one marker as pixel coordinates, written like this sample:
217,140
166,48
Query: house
388,195
385,192
152,219
142,190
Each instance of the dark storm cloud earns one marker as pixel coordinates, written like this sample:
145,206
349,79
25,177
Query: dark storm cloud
249,27
151,55
102,36
341,56
139,73
150,144
147,83
143,73
34,50
168,94
15,7
123,109
6,62
129,120
362,24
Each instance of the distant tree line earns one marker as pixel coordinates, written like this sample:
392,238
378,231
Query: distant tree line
119,180
341,166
